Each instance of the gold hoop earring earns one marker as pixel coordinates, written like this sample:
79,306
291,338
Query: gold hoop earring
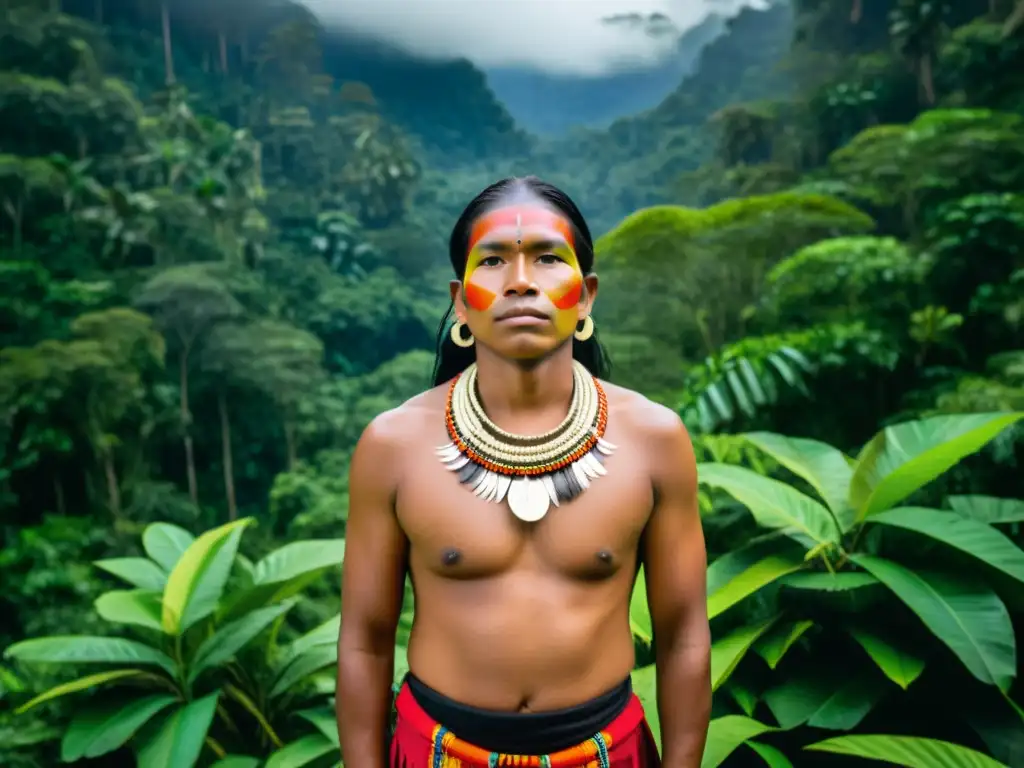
585,331
456,334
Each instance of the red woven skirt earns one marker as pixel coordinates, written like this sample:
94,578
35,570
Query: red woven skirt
419,742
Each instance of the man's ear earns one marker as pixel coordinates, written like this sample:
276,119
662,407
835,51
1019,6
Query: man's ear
586,304
458,300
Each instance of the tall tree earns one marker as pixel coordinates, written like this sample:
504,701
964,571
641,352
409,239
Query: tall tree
187,302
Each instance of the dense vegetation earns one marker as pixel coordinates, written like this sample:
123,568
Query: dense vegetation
222,253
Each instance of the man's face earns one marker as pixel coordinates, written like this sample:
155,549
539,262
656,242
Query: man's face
523,291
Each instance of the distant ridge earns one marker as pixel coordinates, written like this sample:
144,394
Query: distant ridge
549,104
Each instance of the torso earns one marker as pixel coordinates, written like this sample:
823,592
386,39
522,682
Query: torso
520,616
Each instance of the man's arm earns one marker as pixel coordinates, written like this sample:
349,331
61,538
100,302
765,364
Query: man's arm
373,579
675,565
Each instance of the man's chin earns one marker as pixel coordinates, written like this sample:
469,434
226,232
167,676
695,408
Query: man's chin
525,347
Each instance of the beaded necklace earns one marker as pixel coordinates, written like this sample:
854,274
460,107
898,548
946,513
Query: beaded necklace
531,471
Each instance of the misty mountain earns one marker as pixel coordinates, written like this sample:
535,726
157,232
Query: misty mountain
545,103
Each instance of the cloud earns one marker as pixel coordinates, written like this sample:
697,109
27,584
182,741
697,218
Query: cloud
558,36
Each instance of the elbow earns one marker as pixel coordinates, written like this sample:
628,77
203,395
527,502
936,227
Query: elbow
366,637
689,635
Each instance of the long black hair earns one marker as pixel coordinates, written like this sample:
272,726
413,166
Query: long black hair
452,359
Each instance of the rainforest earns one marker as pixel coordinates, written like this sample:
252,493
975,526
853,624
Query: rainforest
223,251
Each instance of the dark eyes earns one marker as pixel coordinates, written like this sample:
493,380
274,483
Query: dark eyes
494,261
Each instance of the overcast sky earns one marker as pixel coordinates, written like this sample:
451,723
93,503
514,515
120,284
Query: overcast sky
563,36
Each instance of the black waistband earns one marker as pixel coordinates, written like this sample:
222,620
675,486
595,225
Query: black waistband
522,733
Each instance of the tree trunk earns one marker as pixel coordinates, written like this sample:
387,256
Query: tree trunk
289,440
222,43
927,80
226,459
856,11
58,494
186,427
1015,19
113,490
165,23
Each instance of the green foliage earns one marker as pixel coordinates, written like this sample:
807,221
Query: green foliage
848,537
843,277
199,652
220,260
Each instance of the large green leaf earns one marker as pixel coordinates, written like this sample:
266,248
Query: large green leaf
639,612
823,700
299,558
229,639
731,564
773,504
301,753
136,606
324,720
989,509
237,761
843,581
825,468
743,696
772,757
401,664
773,646
728,651
727,733
645,685
81,684
756,576
179,739
325,634
137,571
97,730
85,649
905,457
976,539
166,543
287,571
965,615
187,598
899,665
907,751
303,666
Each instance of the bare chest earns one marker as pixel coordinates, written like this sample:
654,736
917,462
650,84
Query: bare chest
457,535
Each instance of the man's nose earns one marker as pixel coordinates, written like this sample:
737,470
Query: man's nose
520,279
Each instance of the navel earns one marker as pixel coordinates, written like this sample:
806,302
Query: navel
605,557
451,557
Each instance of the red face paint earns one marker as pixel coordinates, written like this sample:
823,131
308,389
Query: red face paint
517,217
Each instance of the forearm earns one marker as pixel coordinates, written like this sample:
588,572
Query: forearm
684,703
363,705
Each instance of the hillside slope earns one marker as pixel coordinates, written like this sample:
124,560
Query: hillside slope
638,160
550,104
448,106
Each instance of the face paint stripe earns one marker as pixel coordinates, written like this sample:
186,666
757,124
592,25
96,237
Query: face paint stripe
570,294
519,216
478,298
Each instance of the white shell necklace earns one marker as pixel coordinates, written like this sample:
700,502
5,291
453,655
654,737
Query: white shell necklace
531,471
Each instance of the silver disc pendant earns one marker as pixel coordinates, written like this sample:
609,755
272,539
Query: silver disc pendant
528,499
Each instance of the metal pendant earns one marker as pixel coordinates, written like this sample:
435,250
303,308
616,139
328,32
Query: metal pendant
528,499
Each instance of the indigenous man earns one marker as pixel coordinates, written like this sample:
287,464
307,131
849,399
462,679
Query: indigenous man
521,495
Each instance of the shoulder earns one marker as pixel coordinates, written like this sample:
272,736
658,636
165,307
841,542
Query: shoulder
654,426
390,433
645,417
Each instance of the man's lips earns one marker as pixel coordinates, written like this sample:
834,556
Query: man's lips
522,313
